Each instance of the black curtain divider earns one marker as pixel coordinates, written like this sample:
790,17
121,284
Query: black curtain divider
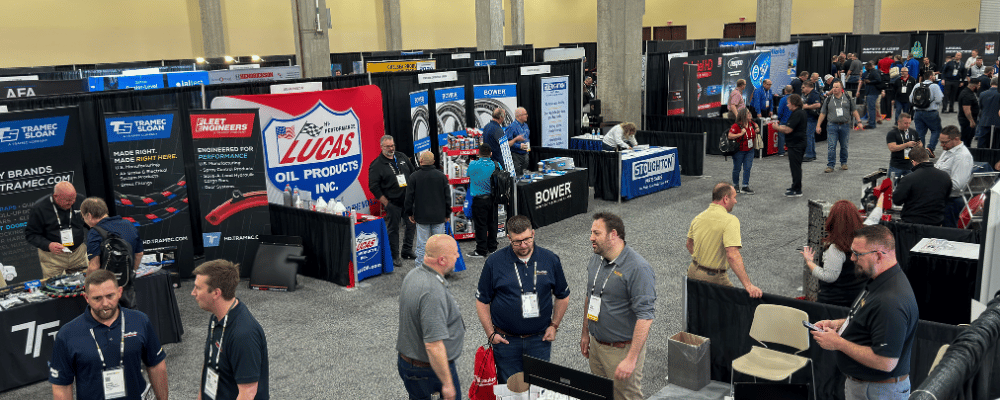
503,59
989,156
943,286
445,60
690,148
907,236
853,43
602,167
724,315
714,127
816,59
326,241
657,95
346,60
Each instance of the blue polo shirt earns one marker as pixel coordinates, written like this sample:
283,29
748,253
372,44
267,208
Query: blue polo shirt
243,358
761,101
493,134
115,224
479,176
518,128
498,287
75,357
783,111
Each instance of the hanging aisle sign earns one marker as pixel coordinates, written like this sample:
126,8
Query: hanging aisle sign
400,65
555,112
420,119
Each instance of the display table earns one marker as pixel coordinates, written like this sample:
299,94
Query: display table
553,198
587,142
955,268
372,242
27,332
326,241
649,171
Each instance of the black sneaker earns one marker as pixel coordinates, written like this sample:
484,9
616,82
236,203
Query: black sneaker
793,193
409,256
737,189
747,190
809,159
473,254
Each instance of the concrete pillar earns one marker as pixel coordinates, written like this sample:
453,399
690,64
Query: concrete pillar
391,36
208,30
774,21
867,17
312,40
517,21
489,24
989,16
619,58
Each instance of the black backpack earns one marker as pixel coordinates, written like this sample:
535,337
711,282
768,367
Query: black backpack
727,146
117,256
922,96
501,185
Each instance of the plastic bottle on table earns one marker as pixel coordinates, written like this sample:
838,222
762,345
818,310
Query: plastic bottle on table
287,195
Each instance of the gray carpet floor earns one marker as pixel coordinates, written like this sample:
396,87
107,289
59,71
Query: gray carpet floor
327,342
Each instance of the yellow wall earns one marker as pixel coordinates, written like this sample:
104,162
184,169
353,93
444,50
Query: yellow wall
550,22
432,24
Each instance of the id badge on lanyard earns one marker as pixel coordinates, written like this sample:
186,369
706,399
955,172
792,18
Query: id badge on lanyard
529,305
114,383
401,180
593,308
66,237
211,382
902,89
840,112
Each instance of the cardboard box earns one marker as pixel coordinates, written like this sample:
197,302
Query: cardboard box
688,361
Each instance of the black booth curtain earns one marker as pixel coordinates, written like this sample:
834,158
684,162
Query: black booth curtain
816,58
690,148
989,156
326,241
714,127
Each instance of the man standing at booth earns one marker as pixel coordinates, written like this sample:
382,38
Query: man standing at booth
519,149
760,104
494,135
714,242
428,202
388,175
517,309
619,307
953,74
873,343
57,229
95,214
484,210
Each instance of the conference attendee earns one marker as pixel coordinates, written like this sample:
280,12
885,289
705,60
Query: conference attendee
811,103
95,214
854,74
901,139
620,137
912,65
838,284
388,175
103,350
428,202
236,360
760,103
977,68
484,209
496,137
927,66
817,82
989,117
783,114
953,74
431,330
873,342
519,149
836,66
885,63
619,307
736,100
985,78
521,299
971,62
828,84
968,111
872,84
57,229
928,118
924,192
902,87
956,161
795,138
837,110
589,92
797,82
744,131
714,242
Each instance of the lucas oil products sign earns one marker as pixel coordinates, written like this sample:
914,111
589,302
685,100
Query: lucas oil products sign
321,142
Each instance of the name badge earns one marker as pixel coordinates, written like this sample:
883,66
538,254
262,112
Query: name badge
906,153
66,236
401,180
148,394
840,112
593,308
954,72
902,89
767,103
529,305
114,383
211,382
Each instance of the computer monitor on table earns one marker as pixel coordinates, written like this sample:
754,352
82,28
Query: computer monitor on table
571,382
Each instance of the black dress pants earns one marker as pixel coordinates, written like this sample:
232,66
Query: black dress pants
795,156
393,216
951,90
967,132
484,222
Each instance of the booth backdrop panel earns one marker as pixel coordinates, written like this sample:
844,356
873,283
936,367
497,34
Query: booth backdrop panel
876,46
984,43
714,127
326,241
724,315
709,97
690,148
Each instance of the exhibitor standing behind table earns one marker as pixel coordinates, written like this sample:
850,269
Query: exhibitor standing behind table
648,171
553,198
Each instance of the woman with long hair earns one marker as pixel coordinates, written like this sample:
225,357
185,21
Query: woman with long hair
838,283
743,132
620,137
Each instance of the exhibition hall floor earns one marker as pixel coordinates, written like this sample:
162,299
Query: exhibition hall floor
326,342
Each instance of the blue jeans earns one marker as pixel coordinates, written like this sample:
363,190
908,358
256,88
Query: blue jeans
781,143
742,160
924,120
425,232
902,107
896,173
854,390
871,102
810,138
952,209
837,133
508,356
421,382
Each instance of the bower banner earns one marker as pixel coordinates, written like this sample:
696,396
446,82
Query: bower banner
32,88
555,112
400,65
450,110
784,65
876,46
421,122
708,85
232,188
321,141
489,98
984,43
147,176
39,149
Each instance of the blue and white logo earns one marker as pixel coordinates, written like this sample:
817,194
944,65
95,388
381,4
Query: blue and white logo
142,127
761,69
194,78
211,239
33,133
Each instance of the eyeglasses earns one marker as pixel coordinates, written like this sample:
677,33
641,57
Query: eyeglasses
388,146
859,255
523,242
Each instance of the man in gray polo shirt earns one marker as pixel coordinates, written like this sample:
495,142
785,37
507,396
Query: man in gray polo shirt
431,329
837,110
619,305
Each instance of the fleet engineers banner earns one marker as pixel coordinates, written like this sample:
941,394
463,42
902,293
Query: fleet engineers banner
38,149
421,122
150,189
555,112
321,142
232,189
450,110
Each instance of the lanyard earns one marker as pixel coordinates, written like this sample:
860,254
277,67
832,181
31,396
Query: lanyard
857,303
535,282
211,334
59,220
395,165
100,353
606,278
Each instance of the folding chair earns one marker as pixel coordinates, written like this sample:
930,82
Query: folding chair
781,325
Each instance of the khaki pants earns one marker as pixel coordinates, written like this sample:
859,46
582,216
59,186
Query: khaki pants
719,278
604,361
58,264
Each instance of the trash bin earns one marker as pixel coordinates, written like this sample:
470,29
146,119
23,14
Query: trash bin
688,361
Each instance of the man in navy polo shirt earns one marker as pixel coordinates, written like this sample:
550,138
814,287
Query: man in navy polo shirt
514,300
236,348
873,343
95,214
89,349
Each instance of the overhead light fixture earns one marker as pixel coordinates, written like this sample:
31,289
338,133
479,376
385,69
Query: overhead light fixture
200,60
255,58
229,59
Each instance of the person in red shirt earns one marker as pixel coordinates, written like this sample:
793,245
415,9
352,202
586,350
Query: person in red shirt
885,63
743,131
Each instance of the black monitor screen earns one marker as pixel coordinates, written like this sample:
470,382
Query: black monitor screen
571,382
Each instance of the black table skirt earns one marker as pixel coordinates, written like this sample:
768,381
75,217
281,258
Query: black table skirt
155,296
554,198
944,287
326,241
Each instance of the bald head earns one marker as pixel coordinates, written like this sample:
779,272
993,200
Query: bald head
789,89
64,195
426,158
441,253
521,115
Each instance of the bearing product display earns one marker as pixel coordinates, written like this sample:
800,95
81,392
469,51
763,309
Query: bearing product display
451,118
483,109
